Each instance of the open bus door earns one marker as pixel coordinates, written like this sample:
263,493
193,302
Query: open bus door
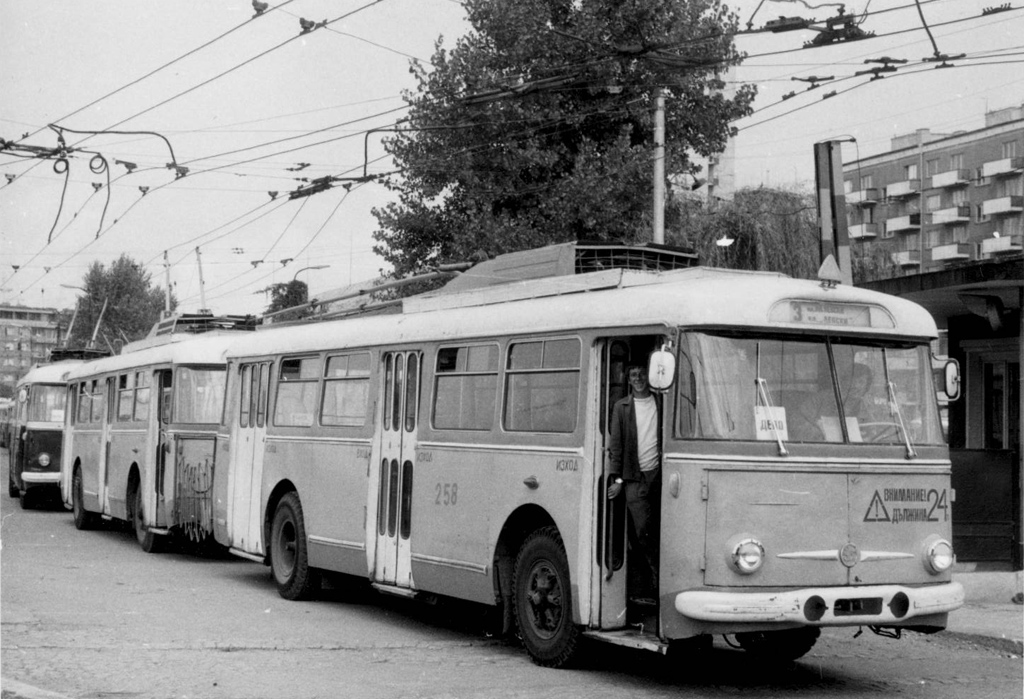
245,488
396,453
612,513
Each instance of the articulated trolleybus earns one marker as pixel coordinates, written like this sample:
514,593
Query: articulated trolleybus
460,448
139,437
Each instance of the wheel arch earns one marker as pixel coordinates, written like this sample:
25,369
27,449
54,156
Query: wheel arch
282,488
520,523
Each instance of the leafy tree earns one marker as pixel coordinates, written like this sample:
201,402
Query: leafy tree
770,229
288,295
133,305
871,261
538,126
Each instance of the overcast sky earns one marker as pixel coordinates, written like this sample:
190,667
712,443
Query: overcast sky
242,114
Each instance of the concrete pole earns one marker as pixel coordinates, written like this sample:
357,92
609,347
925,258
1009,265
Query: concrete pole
659,168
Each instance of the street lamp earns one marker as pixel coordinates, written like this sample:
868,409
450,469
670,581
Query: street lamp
305,268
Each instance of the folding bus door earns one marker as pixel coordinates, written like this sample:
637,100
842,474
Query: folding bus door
247,458
397,429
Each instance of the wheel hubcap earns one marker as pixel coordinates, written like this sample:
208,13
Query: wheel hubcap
544,596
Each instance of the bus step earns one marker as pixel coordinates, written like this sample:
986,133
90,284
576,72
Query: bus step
248,556
394,590
632,638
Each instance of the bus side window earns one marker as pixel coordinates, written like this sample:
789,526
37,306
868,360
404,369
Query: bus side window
245,402
542,391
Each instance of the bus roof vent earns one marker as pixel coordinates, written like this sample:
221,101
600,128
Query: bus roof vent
200,323
571,258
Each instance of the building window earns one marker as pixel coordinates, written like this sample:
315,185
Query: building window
979,214
910,171
1010,149
1009,187
959,197
931,167
933,202
867,181
959,234
956,161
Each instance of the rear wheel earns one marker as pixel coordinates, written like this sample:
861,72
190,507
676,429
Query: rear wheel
83,518
543,600
779,645
289,556
150,542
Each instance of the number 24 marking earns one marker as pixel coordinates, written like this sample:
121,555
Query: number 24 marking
447,494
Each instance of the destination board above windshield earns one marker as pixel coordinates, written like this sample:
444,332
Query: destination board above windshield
833,314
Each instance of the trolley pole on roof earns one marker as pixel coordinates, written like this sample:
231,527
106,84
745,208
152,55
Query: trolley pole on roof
167,283
202,285
659,168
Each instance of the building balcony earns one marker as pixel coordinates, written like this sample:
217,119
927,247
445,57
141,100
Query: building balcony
1001,168
955,214
910,222
907,258
900,190
951,178
1003,205
863,197
1002,244
863,231
953,251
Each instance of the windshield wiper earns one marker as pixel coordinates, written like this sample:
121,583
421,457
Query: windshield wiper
894,407
762,389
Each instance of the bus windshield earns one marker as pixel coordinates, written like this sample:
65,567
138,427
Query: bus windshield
46,403
810,389
199,395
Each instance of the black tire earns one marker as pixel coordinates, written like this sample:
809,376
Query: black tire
781,646
148,541
289,553
543,600
83,518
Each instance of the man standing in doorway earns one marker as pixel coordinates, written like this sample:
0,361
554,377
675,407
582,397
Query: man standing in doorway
636,466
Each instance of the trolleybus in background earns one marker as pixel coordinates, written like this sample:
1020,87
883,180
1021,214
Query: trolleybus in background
34,430
140,435
459,448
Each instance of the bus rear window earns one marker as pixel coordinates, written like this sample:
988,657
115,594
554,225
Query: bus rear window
542,386
199,395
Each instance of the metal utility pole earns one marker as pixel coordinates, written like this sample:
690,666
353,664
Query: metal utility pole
202,285
167,283
659,168
834,237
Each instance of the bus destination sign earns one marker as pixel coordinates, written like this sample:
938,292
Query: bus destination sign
850,315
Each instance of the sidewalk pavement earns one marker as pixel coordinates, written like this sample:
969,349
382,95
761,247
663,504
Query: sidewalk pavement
990,617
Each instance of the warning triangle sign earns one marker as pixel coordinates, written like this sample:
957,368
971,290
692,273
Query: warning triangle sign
876,510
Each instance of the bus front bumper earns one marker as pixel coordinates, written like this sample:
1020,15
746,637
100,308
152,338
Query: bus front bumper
38,478
868,605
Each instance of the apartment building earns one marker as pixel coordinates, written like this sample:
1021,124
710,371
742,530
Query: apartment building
937,200
949,210
27,336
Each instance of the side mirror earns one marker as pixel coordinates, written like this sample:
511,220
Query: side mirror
661,369
951,375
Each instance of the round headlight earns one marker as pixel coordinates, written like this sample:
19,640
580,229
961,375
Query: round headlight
43,459
938,555
748,556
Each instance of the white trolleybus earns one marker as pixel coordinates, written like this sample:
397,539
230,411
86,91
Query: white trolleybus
461,448
36,427
140,431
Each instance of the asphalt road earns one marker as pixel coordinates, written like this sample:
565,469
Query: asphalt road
88,614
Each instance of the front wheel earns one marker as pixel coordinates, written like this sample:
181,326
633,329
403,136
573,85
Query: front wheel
150,542
543,600
289,556
789,644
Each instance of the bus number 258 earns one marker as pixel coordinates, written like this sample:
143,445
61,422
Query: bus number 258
447,494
